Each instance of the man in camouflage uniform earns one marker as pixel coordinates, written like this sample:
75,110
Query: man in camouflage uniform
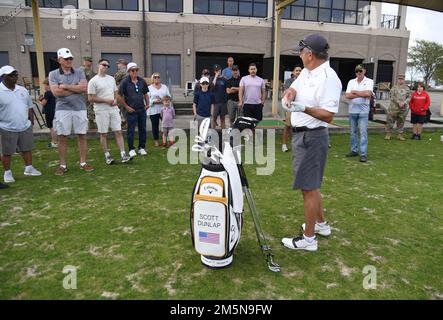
398,108
119,76
87,69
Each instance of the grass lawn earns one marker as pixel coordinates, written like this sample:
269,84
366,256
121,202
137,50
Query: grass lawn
126,228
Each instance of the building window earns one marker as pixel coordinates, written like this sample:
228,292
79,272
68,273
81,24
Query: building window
54,3
122,5
169,67
166,5
246,8
4,58
119,32
335,11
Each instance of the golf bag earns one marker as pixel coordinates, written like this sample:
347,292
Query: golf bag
217,202
215,226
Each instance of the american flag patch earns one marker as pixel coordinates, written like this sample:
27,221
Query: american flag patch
209,237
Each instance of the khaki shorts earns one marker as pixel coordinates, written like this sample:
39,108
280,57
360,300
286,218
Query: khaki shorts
66,121
108,119
16,141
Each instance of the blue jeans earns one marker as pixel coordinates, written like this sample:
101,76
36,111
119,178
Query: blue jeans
138,118
360,121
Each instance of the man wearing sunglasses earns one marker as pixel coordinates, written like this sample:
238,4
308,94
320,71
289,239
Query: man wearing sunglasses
316,97
133,94
69,85
102,92
15,123
359,92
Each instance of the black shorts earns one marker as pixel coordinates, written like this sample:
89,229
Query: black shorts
253,111
49,119
416,118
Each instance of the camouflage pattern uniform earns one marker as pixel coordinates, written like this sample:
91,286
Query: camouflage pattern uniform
398,94
89,106
119,76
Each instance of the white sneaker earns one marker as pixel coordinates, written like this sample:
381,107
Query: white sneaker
300,243
284,148
132,154
32,172
7,177
54,145
323,231
142,152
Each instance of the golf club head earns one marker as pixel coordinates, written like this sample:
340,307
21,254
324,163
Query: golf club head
204,127
274,267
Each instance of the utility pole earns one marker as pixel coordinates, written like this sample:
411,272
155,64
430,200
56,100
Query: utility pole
280,6
38,44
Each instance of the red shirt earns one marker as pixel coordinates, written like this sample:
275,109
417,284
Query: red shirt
419,103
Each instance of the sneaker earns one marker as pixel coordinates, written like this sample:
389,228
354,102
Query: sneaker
132,153
352,154
300,243
142,152
323,231
284,148
32,172
109,159
54,145
3,186
87,168
388,136
414,136
363,159
7,177
61,171
418,137
401,137
124,158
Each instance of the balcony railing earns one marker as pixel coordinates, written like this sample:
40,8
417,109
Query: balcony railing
390,22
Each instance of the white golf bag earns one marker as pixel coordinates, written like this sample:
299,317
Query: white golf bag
217,203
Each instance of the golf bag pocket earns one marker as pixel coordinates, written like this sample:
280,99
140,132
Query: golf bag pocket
214,227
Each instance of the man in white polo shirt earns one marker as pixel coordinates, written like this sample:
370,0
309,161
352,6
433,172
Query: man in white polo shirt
15,123
315,95
102,92
359,91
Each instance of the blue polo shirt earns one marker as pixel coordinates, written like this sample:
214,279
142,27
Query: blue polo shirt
220,91
14,108
134,93
203,101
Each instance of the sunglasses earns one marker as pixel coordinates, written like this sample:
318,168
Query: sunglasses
359,71
105,65
133,70
156,77
205,83
136,88
68,59
12,74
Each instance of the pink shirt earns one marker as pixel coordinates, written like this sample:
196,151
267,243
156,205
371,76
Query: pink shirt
252,89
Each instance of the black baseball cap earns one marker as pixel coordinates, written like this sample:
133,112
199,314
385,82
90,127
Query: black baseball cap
314,42
217,67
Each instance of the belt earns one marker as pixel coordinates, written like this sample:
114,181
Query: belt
300,129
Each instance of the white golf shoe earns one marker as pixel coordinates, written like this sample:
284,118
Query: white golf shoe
321,230
284,148
300,243
132,153
142,152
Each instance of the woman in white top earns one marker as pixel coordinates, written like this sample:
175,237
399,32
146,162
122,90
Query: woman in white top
157,91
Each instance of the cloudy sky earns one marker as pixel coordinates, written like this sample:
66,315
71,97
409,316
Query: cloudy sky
423,24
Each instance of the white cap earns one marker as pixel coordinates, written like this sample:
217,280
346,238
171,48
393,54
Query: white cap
6,70
204,79
131,65
64,53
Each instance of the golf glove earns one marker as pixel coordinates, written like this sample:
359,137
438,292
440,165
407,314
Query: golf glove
293,106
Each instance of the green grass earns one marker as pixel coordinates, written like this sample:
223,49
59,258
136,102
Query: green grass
126,228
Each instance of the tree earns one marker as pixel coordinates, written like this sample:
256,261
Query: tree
426,56
438,76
